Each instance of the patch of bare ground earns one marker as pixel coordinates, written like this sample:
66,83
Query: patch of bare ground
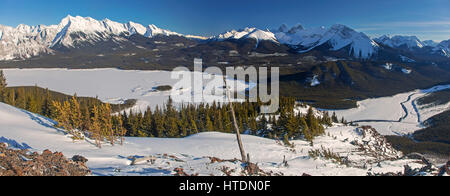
25,163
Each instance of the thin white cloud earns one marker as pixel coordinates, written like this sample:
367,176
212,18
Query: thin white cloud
410,24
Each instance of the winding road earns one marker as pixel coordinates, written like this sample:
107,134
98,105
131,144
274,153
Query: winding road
405,110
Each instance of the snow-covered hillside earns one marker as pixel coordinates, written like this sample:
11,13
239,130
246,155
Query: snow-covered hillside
396,115
361,150
114,85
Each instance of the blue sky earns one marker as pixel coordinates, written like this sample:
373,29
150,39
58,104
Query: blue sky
428,19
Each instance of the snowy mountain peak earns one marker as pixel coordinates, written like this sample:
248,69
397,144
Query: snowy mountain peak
248,33
25,41
401,41
443,48
136,28
296,28
430,43
283,28
337,36
153,30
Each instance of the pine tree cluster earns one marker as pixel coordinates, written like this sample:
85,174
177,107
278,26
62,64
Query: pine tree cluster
191,119
94,119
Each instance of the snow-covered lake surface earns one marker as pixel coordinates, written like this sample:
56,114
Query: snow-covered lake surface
396,115
24,130
113,85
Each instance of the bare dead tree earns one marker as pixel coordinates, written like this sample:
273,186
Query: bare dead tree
238,134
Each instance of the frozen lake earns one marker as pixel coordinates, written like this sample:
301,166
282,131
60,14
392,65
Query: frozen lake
113,85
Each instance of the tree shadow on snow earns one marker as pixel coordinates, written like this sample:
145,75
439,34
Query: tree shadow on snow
15,144
49,124
111,171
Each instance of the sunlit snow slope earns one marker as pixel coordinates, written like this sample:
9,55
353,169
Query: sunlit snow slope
21,129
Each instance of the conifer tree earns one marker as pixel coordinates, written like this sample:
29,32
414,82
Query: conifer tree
107,127
75,115
158,123
147,122
95,128
292,126
31,104
262,125
11,100
62,114
193,127
209,125
253,125
21,98
334,118
172,127
3,85
121,130
326,119
65,113
184,124
47,105
86,119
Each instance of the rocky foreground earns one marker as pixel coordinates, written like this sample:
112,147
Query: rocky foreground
25,163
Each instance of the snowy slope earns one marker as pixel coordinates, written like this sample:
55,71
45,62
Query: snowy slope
337,36
26,41
396,115
24,130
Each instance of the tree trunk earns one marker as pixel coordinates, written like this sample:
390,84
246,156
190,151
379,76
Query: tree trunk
238,134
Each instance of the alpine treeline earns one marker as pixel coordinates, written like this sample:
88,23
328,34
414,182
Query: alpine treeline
88,117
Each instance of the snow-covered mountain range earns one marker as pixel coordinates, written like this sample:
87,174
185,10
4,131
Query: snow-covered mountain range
400,41
337,37
25,41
